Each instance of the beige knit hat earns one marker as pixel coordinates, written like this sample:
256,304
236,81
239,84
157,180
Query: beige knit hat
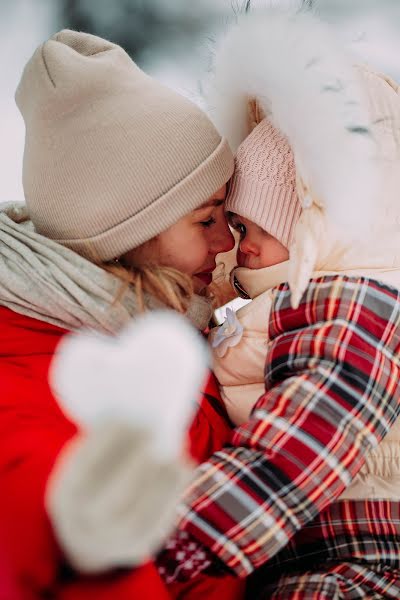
263,188
112,158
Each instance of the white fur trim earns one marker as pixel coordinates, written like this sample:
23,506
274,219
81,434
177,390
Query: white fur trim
309,89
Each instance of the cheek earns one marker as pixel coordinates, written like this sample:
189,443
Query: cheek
197,252
240,257
187,255
274,253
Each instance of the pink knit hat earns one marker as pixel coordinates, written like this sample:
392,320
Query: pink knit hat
263,187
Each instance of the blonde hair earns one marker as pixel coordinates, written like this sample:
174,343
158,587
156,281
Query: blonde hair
171,287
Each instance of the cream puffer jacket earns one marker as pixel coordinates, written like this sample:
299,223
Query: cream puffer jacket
239,354
344,188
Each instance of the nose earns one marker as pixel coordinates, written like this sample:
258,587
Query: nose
245,250
247,247
222,239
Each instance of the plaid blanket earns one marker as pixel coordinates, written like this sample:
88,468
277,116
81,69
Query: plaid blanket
332,393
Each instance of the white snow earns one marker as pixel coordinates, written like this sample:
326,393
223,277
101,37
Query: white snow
25,23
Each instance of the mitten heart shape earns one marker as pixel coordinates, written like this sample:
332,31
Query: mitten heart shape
149,375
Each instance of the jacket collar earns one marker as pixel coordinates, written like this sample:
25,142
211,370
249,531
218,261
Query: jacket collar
257,281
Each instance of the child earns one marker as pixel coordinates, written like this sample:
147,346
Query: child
264,208
266,227
305,497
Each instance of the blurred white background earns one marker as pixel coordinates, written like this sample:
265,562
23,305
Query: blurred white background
169,38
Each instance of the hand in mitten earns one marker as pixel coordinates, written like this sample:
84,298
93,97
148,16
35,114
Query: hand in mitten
113,494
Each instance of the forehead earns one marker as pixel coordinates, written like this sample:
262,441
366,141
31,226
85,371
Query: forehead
210,204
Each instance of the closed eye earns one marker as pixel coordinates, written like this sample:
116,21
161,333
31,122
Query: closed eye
208,223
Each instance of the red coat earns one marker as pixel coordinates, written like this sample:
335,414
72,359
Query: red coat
33,430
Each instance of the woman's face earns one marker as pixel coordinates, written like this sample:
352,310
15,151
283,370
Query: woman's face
192,244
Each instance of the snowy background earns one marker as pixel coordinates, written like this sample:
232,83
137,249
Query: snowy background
169,38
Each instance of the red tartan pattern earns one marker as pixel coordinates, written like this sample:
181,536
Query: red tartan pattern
332,393
345,581
352,549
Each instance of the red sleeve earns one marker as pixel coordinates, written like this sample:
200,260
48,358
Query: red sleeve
33,431
332,394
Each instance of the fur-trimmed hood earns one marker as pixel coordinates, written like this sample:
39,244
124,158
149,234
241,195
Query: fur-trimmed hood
342,125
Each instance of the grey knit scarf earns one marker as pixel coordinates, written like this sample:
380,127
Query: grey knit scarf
42,279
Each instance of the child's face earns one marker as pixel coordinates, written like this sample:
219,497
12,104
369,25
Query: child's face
257,248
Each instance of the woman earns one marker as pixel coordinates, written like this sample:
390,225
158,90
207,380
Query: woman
112,160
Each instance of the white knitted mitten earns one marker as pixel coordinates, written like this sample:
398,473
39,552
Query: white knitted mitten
114,490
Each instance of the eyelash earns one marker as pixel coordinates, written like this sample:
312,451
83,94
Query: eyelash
208,223
240,228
